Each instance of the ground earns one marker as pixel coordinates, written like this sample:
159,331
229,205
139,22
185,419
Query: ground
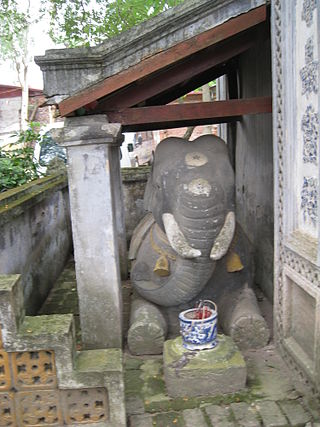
270,398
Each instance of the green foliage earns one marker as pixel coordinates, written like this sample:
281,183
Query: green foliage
17,165
88,22
13,30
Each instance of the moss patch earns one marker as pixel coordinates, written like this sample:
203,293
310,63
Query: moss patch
108,360
58,324
170,419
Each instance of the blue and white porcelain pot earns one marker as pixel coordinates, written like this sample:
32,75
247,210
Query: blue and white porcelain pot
199,333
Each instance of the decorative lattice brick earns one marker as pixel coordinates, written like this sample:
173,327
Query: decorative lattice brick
85,406
34,370
7,414
5,377
39,408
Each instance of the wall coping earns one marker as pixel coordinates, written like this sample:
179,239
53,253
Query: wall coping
17,200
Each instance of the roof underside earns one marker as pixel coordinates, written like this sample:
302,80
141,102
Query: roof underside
137,96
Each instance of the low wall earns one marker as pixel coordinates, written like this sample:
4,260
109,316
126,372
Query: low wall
35,235
134,181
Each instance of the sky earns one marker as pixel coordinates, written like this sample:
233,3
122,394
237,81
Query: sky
42,42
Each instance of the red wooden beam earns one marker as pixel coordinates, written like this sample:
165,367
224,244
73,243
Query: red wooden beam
190,113
184,70
163,59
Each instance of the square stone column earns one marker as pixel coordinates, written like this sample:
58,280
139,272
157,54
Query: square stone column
95,201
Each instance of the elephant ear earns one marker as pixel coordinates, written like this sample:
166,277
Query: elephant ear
225,237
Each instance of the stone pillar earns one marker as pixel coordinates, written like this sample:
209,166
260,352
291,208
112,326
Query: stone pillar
116,185
93,163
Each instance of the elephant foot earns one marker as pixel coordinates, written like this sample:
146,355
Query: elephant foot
243,321
148,328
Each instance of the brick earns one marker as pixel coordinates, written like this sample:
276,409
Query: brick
219,416
295,413
271,414
194,417
141,421
245,415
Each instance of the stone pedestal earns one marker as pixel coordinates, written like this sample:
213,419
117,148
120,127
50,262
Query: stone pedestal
206,372
95,201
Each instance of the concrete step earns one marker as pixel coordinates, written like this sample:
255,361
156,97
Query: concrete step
43,379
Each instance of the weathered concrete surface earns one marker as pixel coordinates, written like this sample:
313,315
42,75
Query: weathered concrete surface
90,142
67,71
34,230
203,373
148,328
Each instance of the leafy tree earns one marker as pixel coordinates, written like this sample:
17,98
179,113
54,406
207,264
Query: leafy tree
17,164
16,19
88,22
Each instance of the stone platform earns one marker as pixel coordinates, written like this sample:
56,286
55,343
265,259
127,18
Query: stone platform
202,373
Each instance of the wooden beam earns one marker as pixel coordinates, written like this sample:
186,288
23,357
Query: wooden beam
195,65
180,115
164,59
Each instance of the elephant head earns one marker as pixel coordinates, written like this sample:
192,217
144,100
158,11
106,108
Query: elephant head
191,195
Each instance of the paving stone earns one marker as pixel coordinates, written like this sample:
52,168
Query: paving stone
134,406
194,417
313,407
245,415
271,414
219,416
168,419
141,421
295,413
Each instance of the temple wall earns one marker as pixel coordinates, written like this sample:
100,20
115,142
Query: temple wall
254,164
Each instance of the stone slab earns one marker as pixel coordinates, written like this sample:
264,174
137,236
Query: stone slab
141,421
219,416
194,417
271,414
295,413
201,373
245,415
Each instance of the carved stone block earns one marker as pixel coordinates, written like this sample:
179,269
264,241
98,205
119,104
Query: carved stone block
85,406
34,369
5,377
38,408
7,414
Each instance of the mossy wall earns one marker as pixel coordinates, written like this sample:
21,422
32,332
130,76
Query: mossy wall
134,181
35,235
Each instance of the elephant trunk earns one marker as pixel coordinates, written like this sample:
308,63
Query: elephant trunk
186,279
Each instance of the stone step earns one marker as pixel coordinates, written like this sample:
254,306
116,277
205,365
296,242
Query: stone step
44,380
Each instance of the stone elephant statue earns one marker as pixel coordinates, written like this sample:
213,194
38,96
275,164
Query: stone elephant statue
190,247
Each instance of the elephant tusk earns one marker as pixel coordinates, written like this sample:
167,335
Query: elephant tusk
224,239
177,239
